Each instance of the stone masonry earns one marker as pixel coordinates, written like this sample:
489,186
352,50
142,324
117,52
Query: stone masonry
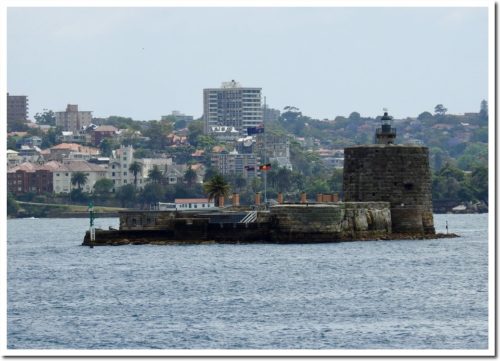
398,174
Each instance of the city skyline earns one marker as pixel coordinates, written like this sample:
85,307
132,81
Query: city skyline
145,62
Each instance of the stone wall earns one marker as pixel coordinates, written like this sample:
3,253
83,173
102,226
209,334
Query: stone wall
329,222
287,223
398,174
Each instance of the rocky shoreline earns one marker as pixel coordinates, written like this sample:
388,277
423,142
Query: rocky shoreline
158,241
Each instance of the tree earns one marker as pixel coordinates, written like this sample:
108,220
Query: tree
483,112
424,116
479,183
283,179
155,175
106,147
152,193
217,187
135,168
46,118
440,109
195,129
179,124
157,133
474,154
103,187
190,177
210,173
126,195
239,182
337,180
50,138
79,179
12,205
355,116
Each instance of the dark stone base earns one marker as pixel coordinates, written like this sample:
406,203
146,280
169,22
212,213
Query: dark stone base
252,235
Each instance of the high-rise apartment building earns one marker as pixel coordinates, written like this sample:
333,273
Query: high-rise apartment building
232,105
72,119
17,108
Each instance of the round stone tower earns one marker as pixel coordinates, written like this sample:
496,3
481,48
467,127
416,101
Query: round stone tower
398,174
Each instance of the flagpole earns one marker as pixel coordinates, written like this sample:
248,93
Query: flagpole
265,153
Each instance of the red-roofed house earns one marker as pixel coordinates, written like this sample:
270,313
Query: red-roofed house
72,151
102,132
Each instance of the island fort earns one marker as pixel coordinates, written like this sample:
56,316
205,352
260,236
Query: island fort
387,195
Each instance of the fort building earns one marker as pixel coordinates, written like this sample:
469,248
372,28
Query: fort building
394,173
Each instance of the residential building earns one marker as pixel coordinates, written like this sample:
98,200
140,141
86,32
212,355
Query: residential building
184,204
102,132
72,119
72,151
332,158
33,141
30,154
13,158
270,114
233,162
31,178
17,108
232,105
148,164
119,164
274,149
175,174
175,140
119,167
224,133
178,116
79,137
62,175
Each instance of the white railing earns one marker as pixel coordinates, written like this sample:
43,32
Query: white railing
250,217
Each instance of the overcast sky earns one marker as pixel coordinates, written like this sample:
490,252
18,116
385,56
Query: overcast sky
146,62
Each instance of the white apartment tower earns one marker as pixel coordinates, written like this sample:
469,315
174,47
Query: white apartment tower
232,105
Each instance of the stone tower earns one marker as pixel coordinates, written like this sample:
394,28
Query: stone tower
398,174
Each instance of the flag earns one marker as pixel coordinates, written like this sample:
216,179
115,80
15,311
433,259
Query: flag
265,166
255,130
249,167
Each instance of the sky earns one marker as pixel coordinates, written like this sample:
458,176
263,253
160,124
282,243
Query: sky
146,62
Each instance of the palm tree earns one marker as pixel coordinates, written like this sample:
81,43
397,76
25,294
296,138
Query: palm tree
79,179
155,174
190,176
217,187
135,168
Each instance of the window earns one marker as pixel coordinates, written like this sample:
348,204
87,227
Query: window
113,174
124,173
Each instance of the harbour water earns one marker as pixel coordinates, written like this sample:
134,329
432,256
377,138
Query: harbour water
430,294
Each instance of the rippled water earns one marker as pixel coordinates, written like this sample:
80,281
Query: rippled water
361,295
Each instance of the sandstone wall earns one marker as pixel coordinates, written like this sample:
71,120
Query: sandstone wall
396,174
329,222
